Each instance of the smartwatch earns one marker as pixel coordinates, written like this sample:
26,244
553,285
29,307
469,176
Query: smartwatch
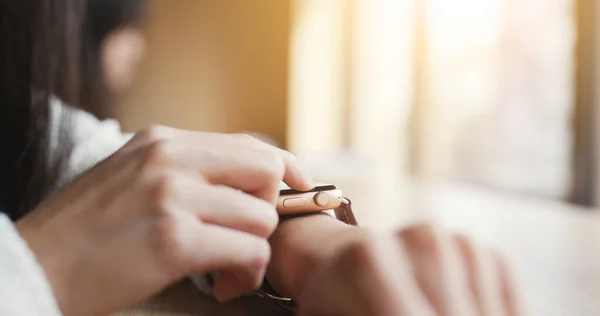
298,203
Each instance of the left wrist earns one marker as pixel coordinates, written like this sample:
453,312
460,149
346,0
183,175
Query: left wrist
303,244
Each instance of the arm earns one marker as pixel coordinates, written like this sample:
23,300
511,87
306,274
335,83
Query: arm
24,289
300,244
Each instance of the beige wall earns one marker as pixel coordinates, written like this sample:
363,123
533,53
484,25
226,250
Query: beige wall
215,65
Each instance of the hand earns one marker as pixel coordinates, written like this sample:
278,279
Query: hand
417,272
168,205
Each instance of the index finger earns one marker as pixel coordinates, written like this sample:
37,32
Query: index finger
294,176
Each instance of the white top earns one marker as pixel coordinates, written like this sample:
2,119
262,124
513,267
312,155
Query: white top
23,286
24,289
93,140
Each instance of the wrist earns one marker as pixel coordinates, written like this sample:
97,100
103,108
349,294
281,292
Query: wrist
53,264
302,245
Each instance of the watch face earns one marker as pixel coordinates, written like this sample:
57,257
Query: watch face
317,189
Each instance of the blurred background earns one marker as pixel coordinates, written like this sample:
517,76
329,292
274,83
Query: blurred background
490,93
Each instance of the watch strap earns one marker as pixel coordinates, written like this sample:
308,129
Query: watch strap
344,212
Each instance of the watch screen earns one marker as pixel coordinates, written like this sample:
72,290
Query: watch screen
317,189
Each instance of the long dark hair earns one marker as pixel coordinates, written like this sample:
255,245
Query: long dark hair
48,48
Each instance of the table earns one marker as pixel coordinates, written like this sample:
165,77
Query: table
552,244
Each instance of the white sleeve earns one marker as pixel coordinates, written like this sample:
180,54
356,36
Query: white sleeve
92,140
24,289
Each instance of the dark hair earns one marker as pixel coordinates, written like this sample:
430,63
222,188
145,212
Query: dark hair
48,48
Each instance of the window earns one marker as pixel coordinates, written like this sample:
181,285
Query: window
479,91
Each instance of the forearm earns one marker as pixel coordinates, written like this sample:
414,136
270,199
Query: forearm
301,244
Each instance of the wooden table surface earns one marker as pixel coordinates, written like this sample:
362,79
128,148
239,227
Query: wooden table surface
555,246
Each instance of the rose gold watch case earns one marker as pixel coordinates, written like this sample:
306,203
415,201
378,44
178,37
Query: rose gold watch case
322,198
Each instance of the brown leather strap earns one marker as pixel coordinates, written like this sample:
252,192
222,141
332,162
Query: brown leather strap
344,212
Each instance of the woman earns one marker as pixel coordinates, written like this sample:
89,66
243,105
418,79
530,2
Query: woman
169,203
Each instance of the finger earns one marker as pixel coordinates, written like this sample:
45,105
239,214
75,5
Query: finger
372,278
212,249
224,206
231,285
150,135
438,271
329,292
294,176
483,276
407,292
253,171
264,162
256,172
509,289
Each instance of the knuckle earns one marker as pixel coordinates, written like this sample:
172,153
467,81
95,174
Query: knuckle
468,251
211,154
154,132
428,230
288,156
259,262
361,257
256,216
244,139
465,244
370,259
269,167
500,259
158,154
269,219
261,254
276,166
164,190
422,239
166,238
